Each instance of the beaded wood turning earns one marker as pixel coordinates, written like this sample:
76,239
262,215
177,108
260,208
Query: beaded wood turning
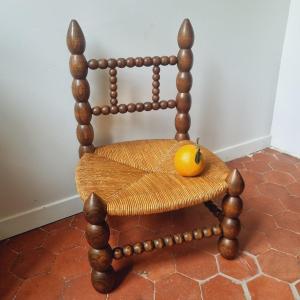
138,177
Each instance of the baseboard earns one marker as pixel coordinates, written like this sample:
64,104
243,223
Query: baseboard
39,216
46,214
242,149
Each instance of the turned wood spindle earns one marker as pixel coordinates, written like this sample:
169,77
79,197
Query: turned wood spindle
80,88
184,80
155,82
232,206
113,87
100,254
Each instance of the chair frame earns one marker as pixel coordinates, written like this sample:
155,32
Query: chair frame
101,254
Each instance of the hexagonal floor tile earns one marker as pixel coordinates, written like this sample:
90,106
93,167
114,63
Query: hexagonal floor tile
264,156
257,166
243,267
278,177
220,287
272,190
66,238
156,222
283,165
7,256
268,288
257,221
264,204
46,287
280,265
291,203
81,288
79,221
284,240
33,262
58,225
177,287
254,242
155,265
133,287
9,285
71,263
194,263
29,240
289,220
294,189
136,234
123,223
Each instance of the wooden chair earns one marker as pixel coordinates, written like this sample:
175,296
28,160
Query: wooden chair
138,177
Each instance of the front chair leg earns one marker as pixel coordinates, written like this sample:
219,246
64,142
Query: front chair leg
100,254
232,206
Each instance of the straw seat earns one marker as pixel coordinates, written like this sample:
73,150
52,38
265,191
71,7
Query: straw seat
138,177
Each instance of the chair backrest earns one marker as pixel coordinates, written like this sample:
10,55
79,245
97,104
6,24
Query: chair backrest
81,90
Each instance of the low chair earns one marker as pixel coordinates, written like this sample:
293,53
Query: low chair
138,177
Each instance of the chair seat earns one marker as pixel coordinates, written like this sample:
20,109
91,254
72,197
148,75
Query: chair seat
138,177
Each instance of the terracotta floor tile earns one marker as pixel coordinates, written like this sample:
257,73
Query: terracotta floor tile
235,164
177,287
264,156
270,151
254,220
28,240
46,287
278,177
287,158
291,203
257,166
288,220
272,190
79,221
282,165
71,263
284,240
263,288
123,223
270,206
254,242
252,178
9,285
137,234
243,267
155,265
7,256
66,238
221,288
58,225
33,262
132,288
194,263
81,288
296,174
156,222
294,189
209,245
280,265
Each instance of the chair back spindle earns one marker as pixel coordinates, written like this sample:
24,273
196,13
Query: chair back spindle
81,90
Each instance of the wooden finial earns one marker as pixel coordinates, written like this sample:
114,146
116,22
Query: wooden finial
235,183
185,37
94,209
75,38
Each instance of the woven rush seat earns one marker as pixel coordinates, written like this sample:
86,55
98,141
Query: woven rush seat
138,177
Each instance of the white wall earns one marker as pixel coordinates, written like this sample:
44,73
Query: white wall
237,53
286,123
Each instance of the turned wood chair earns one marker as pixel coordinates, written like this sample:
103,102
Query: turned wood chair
138,177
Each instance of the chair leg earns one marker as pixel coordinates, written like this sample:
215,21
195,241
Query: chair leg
232,206
100,254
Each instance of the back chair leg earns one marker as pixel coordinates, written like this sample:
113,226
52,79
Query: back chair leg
232,206
100,254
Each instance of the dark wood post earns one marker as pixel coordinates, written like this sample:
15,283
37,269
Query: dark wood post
100,254
232,206
184,80
80,88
